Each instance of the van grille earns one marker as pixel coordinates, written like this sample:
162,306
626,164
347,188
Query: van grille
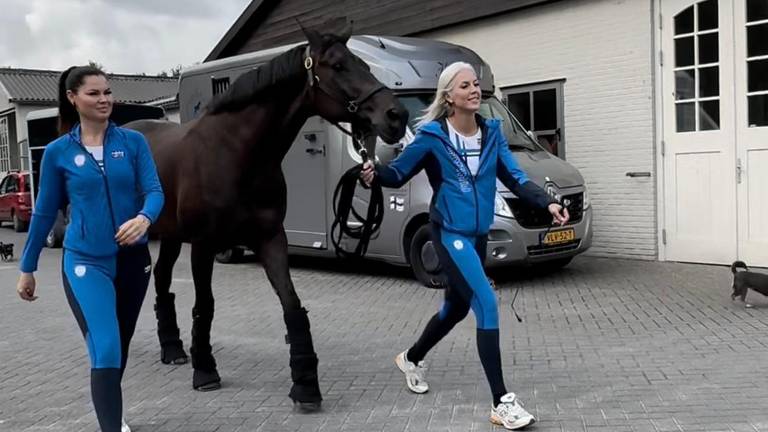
544,250
530,217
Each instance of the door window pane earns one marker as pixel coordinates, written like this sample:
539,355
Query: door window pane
684,51
757,40
686,117
757,10
685,84
708,49
757,75
520,106
545,109
708,15
758,110
684,22
709,81
709,115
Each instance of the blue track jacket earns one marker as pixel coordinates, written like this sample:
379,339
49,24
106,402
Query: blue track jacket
100,201
462,203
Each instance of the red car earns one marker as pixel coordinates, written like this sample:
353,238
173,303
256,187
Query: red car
16,200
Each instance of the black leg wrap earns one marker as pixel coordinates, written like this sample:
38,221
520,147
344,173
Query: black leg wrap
303,362
171,346
205,376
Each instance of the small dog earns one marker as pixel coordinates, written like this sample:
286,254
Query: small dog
747,279
6,251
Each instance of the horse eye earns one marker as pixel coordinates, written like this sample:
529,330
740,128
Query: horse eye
337,66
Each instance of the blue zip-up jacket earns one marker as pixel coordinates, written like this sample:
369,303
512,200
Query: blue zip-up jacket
462,203
100,201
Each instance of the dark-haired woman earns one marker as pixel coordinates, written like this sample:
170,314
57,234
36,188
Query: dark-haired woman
107,175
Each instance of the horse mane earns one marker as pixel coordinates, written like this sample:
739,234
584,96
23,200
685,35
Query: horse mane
281,69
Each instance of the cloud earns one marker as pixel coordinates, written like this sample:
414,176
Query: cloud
125,36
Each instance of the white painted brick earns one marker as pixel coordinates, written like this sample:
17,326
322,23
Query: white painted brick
603,49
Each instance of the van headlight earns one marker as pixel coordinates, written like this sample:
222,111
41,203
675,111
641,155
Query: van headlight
501,208
585,200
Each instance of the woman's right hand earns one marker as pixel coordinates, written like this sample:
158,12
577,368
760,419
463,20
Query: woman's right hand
26,287
367,173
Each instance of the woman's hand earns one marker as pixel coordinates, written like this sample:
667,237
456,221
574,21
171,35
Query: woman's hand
559,214
132,230
26,287
367,173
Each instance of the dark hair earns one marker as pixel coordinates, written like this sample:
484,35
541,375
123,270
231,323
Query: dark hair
72,79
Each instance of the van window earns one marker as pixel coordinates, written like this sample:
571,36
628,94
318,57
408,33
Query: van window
490,107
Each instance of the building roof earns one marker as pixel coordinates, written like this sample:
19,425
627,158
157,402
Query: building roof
270,23
39,87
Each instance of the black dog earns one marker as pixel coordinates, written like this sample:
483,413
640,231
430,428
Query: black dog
6,251
747,279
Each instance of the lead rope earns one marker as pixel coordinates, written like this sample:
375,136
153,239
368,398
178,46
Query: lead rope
519,287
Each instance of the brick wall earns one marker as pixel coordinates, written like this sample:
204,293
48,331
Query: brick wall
603,50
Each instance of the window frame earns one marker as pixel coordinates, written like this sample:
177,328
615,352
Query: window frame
557,85
5,144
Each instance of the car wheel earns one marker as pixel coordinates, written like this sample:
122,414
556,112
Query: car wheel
230,256
423,259
18,224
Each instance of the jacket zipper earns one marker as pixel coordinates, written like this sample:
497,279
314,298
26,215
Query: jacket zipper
471,177
103,176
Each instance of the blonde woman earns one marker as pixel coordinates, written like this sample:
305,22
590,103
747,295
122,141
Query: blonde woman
463,154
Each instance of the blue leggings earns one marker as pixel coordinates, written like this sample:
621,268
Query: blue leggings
106,295
461,259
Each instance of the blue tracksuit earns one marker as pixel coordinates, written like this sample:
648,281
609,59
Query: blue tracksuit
461,212
105,284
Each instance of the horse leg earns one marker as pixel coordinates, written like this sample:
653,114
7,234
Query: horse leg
205,376
171,346
305,391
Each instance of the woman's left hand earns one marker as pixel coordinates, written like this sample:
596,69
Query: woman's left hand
559,213
132,230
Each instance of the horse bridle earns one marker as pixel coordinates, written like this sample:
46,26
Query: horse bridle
314,81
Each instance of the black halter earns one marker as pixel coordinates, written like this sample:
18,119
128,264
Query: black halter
314,81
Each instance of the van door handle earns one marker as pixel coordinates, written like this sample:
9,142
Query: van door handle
638,174
310,137
314,151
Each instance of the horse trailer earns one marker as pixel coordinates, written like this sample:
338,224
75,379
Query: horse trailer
322,153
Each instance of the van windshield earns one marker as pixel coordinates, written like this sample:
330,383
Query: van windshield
490,107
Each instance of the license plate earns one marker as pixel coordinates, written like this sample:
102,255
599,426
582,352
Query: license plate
557,237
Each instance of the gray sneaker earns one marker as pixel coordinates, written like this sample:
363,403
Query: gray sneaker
510,413
414,373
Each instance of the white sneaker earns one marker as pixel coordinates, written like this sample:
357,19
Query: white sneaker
510,413
125,427
414,373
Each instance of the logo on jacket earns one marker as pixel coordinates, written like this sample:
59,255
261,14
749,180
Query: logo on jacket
458,244
118,154
80,270
80,160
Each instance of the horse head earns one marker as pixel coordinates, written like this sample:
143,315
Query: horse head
345,90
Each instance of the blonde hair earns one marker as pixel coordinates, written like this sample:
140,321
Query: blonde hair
440,106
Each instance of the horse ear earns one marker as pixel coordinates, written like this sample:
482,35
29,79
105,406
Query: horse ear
346,32
314,38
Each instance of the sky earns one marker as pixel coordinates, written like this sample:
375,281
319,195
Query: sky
125,36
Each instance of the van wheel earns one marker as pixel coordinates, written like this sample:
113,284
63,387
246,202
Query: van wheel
230,256
18,224
52,241
423,259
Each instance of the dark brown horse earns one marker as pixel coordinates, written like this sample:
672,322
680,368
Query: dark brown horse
224,186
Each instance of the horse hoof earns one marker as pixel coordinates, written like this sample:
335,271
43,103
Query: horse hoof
174,355
206,381
307,407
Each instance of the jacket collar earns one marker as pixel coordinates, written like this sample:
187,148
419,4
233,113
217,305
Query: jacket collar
76,132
